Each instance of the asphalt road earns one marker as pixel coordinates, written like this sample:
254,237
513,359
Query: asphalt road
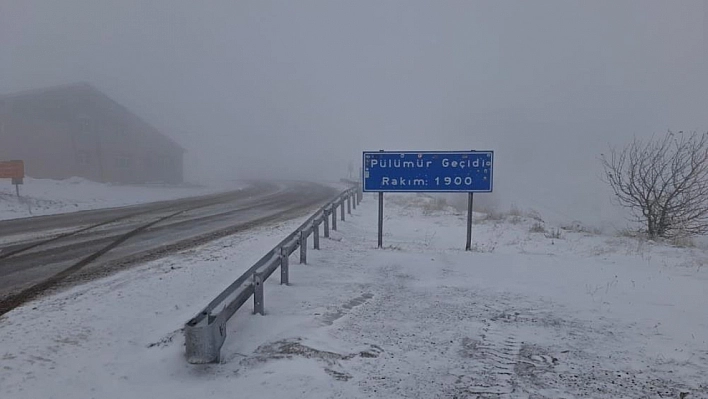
42,253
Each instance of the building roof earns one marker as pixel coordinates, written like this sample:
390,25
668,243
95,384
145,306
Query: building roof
84,88
44,90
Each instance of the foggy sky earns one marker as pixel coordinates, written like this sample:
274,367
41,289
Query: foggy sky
300,88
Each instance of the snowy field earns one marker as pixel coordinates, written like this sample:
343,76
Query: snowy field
47,197
529,314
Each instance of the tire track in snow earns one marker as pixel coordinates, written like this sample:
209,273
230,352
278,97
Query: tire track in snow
496,354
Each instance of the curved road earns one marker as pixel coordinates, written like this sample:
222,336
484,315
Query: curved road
38,254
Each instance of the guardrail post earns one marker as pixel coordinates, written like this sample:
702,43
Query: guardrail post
349,204
258,306
334,217
284,266
352,195
303,248
342,208
326,223
316,235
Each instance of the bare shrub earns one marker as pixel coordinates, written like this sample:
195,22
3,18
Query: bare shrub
434,204
537,228
632,233
578,227
492,214
683,242
554,234
534,215
663,182
515,211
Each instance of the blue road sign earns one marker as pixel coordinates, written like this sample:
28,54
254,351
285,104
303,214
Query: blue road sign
428,171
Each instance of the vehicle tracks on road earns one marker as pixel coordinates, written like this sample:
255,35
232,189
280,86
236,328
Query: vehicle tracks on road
13,301
21,259
179,227
12,250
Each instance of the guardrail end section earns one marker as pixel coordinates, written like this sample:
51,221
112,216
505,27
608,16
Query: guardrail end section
204,339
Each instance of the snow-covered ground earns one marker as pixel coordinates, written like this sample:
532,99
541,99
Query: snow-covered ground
528,314
47,197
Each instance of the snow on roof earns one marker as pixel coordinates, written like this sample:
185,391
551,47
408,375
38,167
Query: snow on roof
87,88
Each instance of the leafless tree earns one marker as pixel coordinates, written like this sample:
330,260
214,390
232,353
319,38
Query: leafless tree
664,182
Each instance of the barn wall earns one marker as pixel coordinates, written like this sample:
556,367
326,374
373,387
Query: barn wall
78,131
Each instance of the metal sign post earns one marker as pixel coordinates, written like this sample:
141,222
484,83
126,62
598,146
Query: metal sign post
381,209
17,182
381,220
470,202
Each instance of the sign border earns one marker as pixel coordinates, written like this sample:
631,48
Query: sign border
17,165
363,171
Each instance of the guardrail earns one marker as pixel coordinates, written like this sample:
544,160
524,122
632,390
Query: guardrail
205,334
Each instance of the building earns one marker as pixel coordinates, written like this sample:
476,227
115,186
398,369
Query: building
76,130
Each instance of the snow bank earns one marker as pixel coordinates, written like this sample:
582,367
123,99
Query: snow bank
46,197
534,312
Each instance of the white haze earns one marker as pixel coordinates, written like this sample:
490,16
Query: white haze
298,89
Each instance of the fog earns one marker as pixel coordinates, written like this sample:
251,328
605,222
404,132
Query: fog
298,89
